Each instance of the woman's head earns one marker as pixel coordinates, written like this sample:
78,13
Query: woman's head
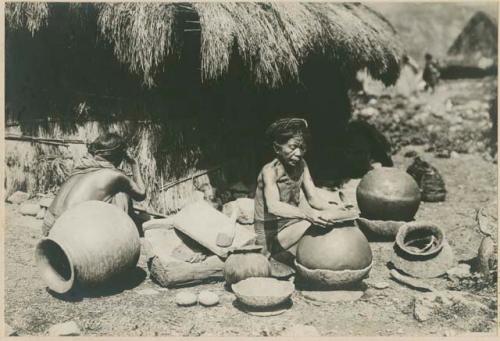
109,146
289,137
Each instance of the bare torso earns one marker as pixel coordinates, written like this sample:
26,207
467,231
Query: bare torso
99,185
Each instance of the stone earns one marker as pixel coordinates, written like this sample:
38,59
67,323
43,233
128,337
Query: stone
459,272
185,299
474,105
41,213
300,330
441,303
45,201
207,298
29,209
9,331
369,112
18,197
147,292
65,329
244,207
454,155
372,101
411,154
380,285
450,333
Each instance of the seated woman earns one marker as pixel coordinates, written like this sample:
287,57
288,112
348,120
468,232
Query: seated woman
96,177
286,199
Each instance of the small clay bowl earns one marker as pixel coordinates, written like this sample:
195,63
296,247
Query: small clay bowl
261,292
418,230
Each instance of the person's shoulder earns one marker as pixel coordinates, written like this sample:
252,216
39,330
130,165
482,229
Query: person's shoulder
109,173
272,168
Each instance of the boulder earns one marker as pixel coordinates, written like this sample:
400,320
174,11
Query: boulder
29,209
65,329
18,197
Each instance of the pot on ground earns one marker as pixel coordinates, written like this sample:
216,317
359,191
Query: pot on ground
88,245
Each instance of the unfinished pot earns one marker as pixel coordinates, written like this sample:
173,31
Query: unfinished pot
334,256
89,244
388,194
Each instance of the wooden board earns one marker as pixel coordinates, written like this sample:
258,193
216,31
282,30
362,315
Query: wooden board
201,222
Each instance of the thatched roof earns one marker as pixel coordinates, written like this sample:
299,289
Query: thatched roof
477,41
272,40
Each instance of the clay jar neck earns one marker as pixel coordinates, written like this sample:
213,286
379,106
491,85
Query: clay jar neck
56,265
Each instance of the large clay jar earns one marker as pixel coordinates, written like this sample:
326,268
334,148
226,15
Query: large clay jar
334,256
89,244
338,248
388,194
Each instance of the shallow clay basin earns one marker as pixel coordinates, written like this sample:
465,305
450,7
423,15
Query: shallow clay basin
263,292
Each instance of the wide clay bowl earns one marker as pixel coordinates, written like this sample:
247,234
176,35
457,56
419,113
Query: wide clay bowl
261,292
331,278
383,228
388,194
420,239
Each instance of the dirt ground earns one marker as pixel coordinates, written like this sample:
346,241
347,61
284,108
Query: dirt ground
471,181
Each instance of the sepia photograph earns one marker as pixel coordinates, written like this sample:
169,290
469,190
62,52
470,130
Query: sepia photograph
250,169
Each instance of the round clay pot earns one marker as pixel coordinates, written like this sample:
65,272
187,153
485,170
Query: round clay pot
244,263
339,248
89,244
388,194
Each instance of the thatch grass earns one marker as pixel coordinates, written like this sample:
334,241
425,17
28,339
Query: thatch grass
143,35
32,15
41,168
272,39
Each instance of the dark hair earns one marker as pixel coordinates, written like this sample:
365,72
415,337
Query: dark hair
428,56
284,129
107,144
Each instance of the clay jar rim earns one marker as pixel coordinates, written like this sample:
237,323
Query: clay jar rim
51,276
407,228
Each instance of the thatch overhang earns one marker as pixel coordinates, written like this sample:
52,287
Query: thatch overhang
274,40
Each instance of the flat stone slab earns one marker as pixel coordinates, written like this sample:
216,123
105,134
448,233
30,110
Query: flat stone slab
65,329
264,312
333,296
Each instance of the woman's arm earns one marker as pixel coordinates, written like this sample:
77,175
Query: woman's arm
312,195
134,187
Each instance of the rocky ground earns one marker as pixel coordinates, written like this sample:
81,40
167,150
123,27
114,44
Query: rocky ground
142,308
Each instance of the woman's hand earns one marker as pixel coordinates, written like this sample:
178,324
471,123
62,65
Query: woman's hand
335,214
315,217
